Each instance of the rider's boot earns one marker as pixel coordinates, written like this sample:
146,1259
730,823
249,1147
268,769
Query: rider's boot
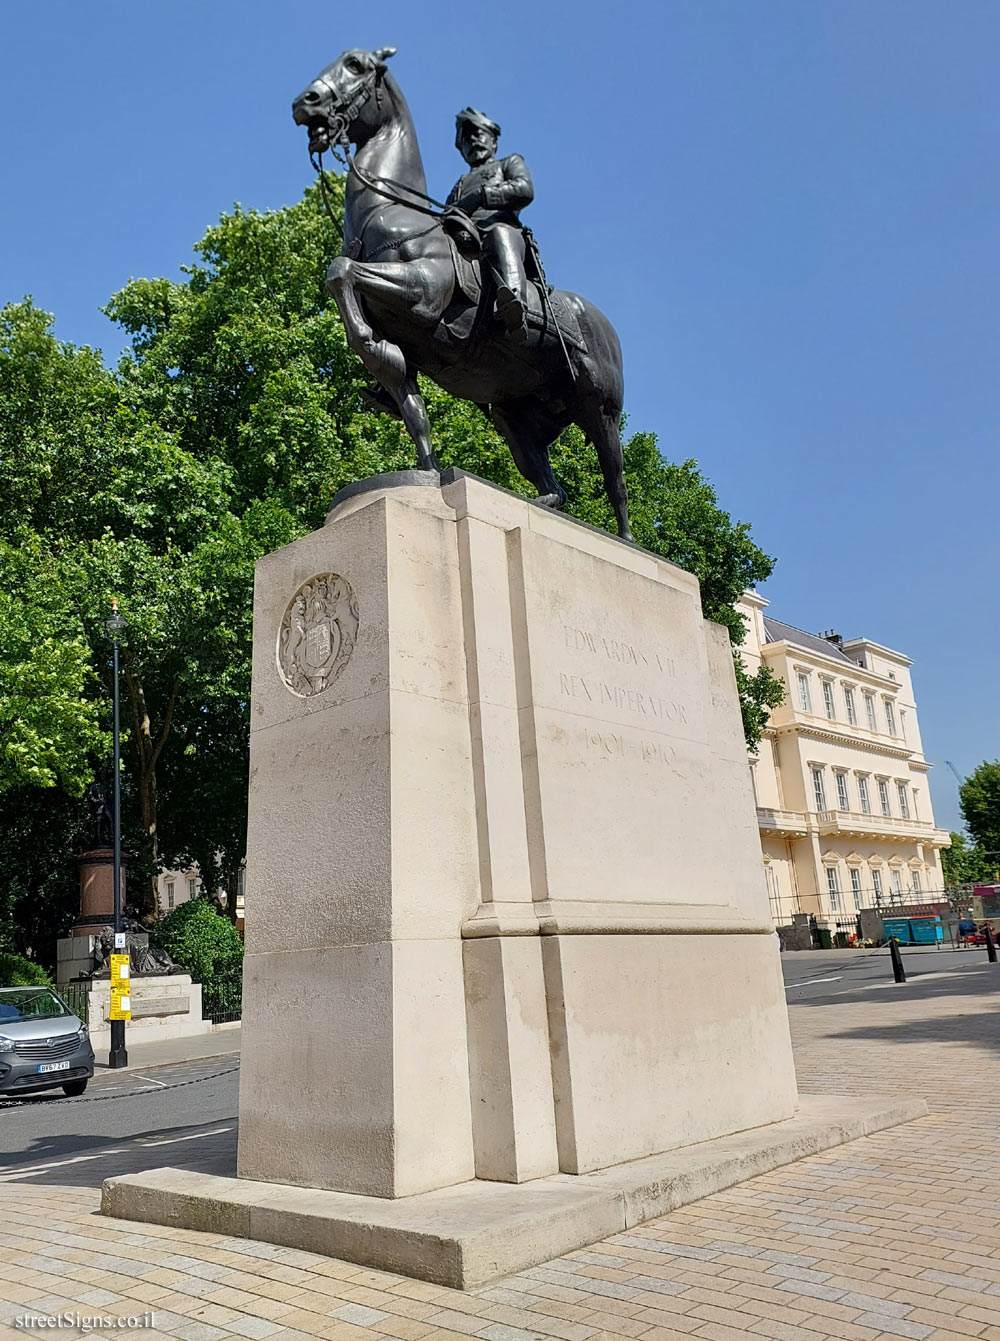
505,249
510,310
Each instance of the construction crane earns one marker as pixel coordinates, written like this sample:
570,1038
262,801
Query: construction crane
958,777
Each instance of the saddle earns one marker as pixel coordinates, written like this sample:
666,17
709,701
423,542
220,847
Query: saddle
465,320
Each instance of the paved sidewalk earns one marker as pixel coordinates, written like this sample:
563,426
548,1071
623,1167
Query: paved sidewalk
221,1042
894,1235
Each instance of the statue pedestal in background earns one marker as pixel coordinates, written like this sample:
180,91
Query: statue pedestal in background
507,933
97,892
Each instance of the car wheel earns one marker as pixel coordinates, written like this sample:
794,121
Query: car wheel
73,1088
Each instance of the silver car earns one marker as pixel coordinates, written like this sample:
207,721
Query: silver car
43,1044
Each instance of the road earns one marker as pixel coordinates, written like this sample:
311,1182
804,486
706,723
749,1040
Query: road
126,1122
813,977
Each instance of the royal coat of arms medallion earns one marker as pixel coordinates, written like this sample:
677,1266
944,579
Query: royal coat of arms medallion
317,634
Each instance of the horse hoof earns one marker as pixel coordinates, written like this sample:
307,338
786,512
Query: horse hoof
551,500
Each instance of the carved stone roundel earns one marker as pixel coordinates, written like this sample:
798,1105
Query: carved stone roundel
317,634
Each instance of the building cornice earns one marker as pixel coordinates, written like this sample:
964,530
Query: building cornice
843,738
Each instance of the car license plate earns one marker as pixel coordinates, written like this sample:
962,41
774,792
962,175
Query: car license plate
45,1067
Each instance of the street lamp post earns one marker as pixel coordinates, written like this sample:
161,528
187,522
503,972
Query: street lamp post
116,626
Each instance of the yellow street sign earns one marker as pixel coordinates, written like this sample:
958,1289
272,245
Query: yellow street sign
121,1006
120,971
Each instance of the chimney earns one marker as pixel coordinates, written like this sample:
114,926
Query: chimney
833,637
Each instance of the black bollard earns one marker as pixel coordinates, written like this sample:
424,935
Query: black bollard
991,945
898,972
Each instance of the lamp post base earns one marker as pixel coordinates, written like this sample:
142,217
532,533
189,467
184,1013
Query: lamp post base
117,1057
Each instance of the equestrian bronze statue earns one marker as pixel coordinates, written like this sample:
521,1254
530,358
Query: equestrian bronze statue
457,293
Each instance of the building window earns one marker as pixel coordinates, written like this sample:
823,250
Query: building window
852,712
805,703
890,717
877,886
833,889
170,893
192,889
842,801
818,793
897,886
831,711
904,805
866,805
883,796
856,888
917,889
870,710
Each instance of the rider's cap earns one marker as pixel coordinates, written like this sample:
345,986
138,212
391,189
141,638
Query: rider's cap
469,116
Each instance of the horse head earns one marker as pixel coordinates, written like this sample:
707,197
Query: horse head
344,103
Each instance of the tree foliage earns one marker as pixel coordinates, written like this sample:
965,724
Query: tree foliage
966,863
979,799
16,971
223,434
198,938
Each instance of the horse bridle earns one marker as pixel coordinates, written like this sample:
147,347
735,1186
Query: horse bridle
340,147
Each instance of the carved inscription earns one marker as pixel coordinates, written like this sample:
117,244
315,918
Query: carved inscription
621,745
600,693
617,650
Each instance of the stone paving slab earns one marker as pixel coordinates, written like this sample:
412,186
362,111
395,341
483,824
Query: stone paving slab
895,1234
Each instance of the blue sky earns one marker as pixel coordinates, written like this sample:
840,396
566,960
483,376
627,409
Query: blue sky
789,209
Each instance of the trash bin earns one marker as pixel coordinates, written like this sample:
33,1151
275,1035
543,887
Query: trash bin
825,939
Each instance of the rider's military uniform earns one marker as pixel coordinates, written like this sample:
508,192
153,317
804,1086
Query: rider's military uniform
493,195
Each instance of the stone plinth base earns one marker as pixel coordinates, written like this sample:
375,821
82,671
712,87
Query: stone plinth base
505,904
164,1006
478,1231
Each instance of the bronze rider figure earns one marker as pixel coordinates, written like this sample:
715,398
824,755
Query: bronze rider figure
493,193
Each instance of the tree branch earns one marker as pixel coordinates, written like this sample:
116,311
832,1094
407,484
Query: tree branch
167,717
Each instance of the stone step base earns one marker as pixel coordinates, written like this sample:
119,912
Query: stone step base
476,1232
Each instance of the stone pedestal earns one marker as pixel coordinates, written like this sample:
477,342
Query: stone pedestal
164,1006
506,915
97,890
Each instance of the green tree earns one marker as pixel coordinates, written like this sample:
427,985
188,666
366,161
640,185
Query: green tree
965,863
16,971
199,939
979,799
49,724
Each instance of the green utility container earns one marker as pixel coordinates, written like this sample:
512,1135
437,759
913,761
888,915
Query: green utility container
926,930
897,928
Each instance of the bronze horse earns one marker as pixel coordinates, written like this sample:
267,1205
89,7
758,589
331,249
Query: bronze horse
411,302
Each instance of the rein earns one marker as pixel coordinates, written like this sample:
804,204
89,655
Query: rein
340,147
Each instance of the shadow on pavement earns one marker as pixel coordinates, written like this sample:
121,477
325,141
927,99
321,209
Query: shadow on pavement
85,1161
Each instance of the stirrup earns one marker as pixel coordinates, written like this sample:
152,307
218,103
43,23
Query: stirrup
510,310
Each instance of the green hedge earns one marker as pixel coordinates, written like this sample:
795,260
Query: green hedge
16,971
199,938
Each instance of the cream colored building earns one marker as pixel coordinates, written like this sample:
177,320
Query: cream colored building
840,778
176,887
